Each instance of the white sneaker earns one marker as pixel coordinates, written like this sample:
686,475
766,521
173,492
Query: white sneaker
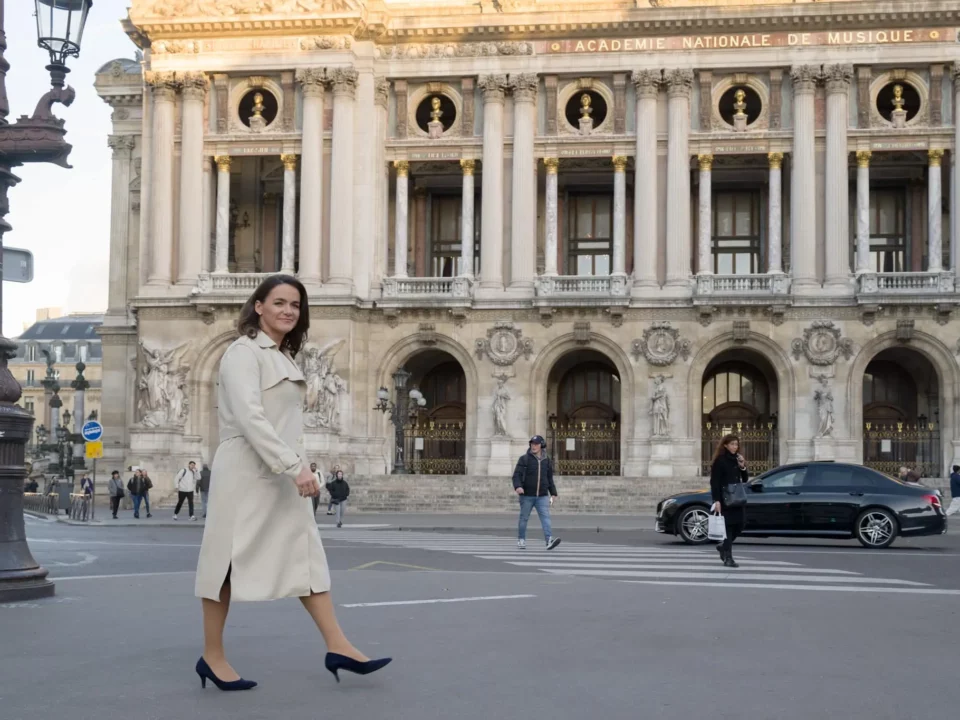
552,543
192,517
175,517
521,544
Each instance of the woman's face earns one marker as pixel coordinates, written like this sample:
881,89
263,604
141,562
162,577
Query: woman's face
280,311
339,475
733,446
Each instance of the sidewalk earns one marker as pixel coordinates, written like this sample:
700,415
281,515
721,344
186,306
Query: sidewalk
405,521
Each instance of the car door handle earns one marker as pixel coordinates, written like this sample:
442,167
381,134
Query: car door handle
793,492
856,494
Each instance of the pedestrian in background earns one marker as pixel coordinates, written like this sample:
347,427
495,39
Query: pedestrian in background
533,483
186,483
333,474
147,487
115,491
913,478
318,476
339,492
203,486
954,491
729,468
86,484
137,486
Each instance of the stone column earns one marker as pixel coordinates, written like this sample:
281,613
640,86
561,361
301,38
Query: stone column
122,146
774,214
313,83
705,237
192,243
803,196
209,208
620,215
222,254
344,82
863,211
466,219
524,207
382,101
402,215
552,222
165,87
288,242
934,216
491,197
647,84
679,84
955,185
836,203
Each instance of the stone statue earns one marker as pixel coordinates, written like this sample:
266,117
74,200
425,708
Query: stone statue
162,388
324,387
739,110
660,408
899,116
586,110
435,127
823,397
500,398
257,121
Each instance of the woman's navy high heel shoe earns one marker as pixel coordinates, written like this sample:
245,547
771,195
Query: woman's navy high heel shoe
205,673
336,662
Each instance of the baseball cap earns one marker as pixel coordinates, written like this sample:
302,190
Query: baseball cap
538,440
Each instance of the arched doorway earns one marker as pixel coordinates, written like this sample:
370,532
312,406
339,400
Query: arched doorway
740,395
436,434
901,413
583,409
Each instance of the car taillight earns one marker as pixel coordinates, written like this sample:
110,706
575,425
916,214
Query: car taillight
933,500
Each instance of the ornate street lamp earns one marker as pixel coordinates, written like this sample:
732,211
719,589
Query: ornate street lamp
38,138
399,411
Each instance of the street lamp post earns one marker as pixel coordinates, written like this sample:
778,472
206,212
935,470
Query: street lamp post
38,138
399,411
80,386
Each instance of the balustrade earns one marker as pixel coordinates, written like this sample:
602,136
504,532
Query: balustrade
906,282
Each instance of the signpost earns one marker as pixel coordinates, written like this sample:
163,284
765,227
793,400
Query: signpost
92,432
17,265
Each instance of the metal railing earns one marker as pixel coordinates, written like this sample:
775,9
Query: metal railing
585,448
906,282
914,445
81,507
48,504
436,448
759,444
774,284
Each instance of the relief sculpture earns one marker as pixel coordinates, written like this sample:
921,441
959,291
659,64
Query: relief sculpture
161,388
324,386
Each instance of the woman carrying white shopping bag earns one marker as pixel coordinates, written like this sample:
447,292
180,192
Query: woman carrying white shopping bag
727,474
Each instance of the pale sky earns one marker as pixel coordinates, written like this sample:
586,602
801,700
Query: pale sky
62,216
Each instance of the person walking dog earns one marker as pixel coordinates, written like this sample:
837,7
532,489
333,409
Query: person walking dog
728,469
533,483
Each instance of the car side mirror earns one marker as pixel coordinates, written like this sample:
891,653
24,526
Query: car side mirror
756,486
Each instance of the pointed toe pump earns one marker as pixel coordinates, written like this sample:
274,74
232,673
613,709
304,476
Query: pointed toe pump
205,673
335,663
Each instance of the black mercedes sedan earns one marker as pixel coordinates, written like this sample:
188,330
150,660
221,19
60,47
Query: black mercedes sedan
817,500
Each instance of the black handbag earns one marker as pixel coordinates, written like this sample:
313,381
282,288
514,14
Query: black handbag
734,495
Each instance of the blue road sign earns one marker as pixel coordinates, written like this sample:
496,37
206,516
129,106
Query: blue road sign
92,431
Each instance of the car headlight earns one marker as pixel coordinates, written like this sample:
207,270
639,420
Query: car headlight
667,503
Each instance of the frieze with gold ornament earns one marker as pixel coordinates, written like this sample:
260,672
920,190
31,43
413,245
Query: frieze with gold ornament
435,51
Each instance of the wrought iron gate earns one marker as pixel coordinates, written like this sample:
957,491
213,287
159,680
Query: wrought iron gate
759,444
585,448
916,445
436,448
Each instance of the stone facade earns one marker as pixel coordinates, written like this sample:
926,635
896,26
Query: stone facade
671,196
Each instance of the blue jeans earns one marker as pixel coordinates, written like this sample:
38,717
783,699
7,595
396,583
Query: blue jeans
527,504
137,499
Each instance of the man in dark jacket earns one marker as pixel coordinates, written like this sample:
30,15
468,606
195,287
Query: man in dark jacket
533,483
203,487
954,491
339,492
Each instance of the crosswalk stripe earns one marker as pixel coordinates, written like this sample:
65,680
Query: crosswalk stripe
649,560
645,566
730,576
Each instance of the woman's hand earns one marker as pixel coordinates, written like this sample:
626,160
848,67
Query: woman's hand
741,462
715,508
307,484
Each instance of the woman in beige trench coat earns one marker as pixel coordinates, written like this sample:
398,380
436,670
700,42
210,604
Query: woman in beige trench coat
261,540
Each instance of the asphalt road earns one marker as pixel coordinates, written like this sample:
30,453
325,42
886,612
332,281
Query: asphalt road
614,624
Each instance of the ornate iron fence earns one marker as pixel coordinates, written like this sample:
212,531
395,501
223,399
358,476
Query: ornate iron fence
585,448
914,445
759,444
436,448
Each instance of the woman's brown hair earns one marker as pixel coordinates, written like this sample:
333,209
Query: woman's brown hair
249,322
724,441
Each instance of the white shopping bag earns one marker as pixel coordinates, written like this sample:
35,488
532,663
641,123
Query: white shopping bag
716,528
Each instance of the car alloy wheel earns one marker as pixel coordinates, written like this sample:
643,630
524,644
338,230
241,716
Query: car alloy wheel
876,528
692,525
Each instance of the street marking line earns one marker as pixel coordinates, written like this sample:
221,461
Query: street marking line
123,575
367,566
436,601
712,567
832,588
730,576
640,558
115,545
87,559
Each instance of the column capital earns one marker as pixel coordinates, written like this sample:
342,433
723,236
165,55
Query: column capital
524,87
223,162
647,82
381,92
775,159
679,82
313,80
402,167
619,163
164,84
837,78
344,81
194,84
863,158
705,161
552,165
955,74
492,87
804,78
289,161
935,155
468,165
121,144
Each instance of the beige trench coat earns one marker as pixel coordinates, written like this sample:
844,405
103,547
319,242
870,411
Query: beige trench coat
258,527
